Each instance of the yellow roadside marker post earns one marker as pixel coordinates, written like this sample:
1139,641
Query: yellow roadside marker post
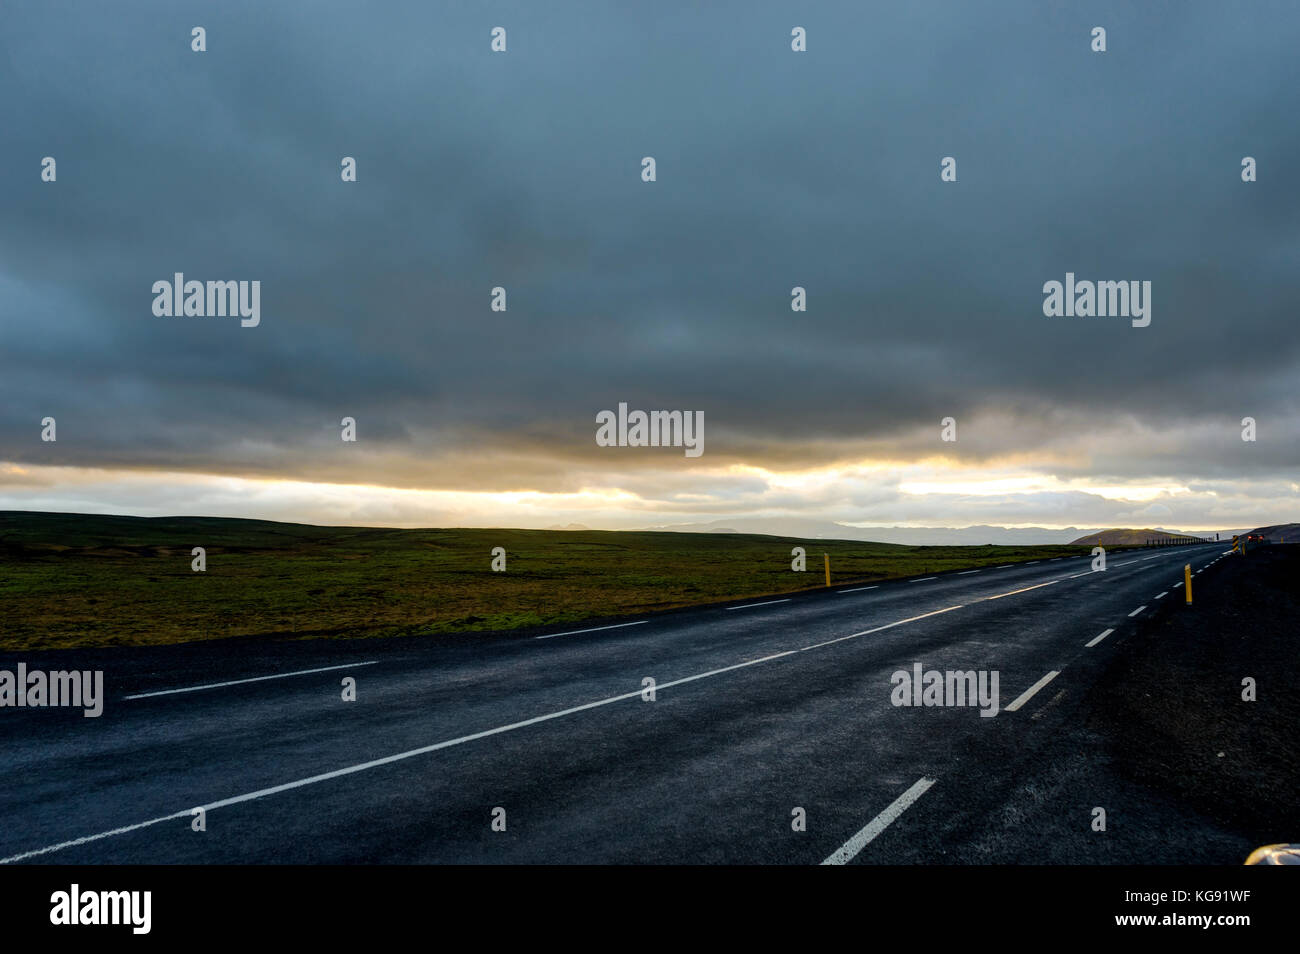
1187,581
827,556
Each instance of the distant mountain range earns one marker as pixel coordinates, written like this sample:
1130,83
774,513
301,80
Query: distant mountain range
913,536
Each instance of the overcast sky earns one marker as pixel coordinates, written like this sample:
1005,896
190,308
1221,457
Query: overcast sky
774,169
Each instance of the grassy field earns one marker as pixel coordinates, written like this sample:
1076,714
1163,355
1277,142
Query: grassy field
69,580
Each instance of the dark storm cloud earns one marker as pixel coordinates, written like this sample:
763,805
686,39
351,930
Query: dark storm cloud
775,169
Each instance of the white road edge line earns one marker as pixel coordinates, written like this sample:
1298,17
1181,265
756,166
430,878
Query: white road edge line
238,682
1029,693
752,605
594,629
1138,610
967,572
1176,585
1024,589
923,579
386,760
859,589
1098,638
1163,595
849,850
868,632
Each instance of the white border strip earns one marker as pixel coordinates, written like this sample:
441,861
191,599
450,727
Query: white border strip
752,605
240,682
594,629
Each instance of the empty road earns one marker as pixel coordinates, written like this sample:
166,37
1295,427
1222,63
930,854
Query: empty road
759,709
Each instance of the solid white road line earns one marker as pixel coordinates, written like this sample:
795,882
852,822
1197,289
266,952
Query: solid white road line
1138,610
1098,638
752,605
238,682
1163,595
594,629
849,850
859,589
923,579
868,632
1023,589
1029,693
387,760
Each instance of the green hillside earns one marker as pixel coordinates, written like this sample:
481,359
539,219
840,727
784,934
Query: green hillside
80,580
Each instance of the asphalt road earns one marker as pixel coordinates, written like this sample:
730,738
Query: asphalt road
758,710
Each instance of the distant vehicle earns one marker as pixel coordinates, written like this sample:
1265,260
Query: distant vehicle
1256,538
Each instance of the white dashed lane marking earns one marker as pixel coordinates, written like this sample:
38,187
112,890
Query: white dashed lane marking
1029,693
1098,638
849,850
